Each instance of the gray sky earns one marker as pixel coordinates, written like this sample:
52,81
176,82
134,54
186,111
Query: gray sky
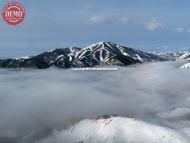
150,25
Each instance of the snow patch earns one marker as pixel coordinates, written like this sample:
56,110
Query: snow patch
185,56
60,56
139,58
23,58
186,66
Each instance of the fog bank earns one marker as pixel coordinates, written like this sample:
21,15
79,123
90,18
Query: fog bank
36,102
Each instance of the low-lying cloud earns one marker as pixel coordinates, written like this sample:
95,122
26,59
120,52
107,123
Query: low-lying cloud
32,101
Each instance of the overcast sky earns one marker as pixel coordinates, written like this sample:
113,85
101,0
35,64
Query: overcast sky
150,25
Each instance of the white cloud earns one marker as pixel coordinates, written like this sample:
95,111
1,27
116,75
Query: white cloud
154,24
179,29
99,19
124,19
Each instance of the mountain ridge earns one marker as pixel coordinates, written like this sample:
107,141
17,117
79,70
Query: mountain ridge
98,54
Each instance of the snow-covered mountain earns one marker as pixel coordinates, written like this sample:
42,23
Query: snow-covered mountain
109,53
102,53
185,66
170,56
186,56
176,56
109,129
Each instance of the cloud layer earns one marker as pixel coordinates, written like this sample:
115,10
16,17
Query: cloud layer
33,103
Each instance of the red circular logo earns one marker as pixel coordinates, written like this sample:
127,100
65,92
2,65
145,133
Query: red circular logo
13,13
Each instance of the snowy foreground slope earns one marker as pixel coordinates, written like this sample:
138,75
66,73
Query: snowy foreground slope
185,66
116,130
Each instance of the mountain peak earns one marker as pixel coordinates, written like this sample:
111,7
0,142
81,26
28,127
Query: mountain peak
103,42
99,54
